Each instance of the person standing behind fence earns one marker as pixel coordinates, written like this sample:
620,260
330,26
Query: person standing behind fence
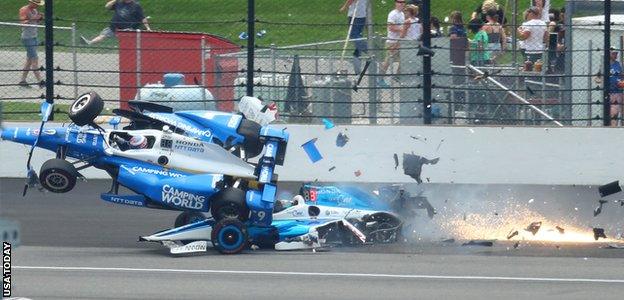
544,7
496,34
615,88
533,33
479,55
356,16
457,30
31,16
396,18
128,14
412,29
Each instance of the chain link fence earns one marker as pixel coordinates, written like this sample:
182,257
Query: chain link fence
304,64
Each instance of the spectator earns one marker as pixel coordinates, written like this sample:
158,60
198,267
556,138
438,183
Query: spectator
496,34
436,29
544,7
457,30
615,90
412,29
128,14
479,55
356,25
396,18
481,11
533,33
30,15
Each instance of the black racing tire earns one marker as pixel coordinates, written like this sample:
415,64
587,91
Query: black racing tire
229,236
58,176
86,108
250,130
188,217
229,203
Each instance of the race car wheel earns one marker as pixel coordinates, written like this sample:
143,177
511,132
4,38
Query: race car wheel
229,236
58,176
250,130
229,203
86,108
188,217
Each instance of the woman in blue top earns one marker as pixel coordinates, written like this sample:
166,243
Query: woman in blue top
457,29
615,91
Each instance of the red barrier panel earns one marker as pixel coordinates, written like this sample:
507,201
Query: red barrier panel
161,52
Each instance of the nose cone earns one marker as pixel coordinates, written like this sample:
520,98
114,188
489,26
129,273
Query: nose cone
18,135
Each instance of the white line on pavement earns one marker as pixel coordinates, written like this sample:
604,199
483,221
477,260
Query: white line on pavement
319,274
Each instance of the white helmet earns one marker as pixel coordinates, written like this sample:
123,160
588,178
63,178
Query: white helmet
138,142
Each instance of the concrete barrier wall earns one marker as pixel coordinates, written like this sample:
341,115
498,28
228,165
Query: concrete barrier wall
471,155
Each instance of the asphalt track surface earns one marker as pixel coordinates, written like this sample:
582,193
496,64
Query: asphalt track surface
78,247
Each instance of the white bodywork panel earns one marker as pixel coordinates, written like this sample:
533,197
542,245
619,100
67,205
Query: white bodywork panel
185,154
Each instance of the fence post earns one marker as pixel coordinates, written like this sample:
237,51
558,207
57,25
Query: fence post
251,35
606,104
426,38
589,83
49,50
203,70
75,60
273,90
138,64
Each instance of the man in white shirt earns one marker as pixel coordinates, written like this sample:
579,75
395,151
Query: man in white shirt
396,18
533,33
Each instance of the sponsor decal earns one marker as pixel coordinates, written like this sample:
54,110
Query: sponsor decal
178,197
186,127
162,172
95,140
126,201
264,174
81,138
270,150
296,213
6,269
189,146
49,132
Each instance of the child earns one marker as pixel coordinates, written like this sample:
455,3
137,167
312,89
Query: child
457,29
479,56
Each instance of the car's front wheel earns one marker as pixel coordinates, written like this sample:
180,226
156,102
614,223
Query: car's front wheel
58,176
86,108
229,236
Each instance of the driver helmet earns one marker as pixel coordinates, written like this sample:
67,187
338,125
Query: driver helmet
138,142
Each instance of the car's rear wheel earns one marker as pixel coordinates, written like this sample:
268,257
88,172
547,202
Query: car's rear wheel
229,203
58,176
229,236
86,108
188,217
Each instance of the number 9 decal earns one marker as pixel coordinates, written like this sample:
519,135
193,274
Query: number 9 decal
261,215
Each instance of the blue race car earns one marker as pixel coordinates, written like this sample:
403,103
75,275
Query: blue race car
190,161
322,215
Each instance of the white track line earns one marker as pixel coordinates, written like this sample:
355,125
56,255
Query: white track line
317,274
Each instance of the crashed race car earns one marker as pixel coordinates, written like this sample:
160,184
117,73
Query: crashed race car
322,216
191,161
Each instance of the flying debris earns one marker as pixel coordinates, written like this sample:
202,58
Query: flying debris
560,229
485,243
332,168
358,173
328,124
598,209
609,188
534,227
512,234
516,245
599,233
412,165
396,161
341,139
310,149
